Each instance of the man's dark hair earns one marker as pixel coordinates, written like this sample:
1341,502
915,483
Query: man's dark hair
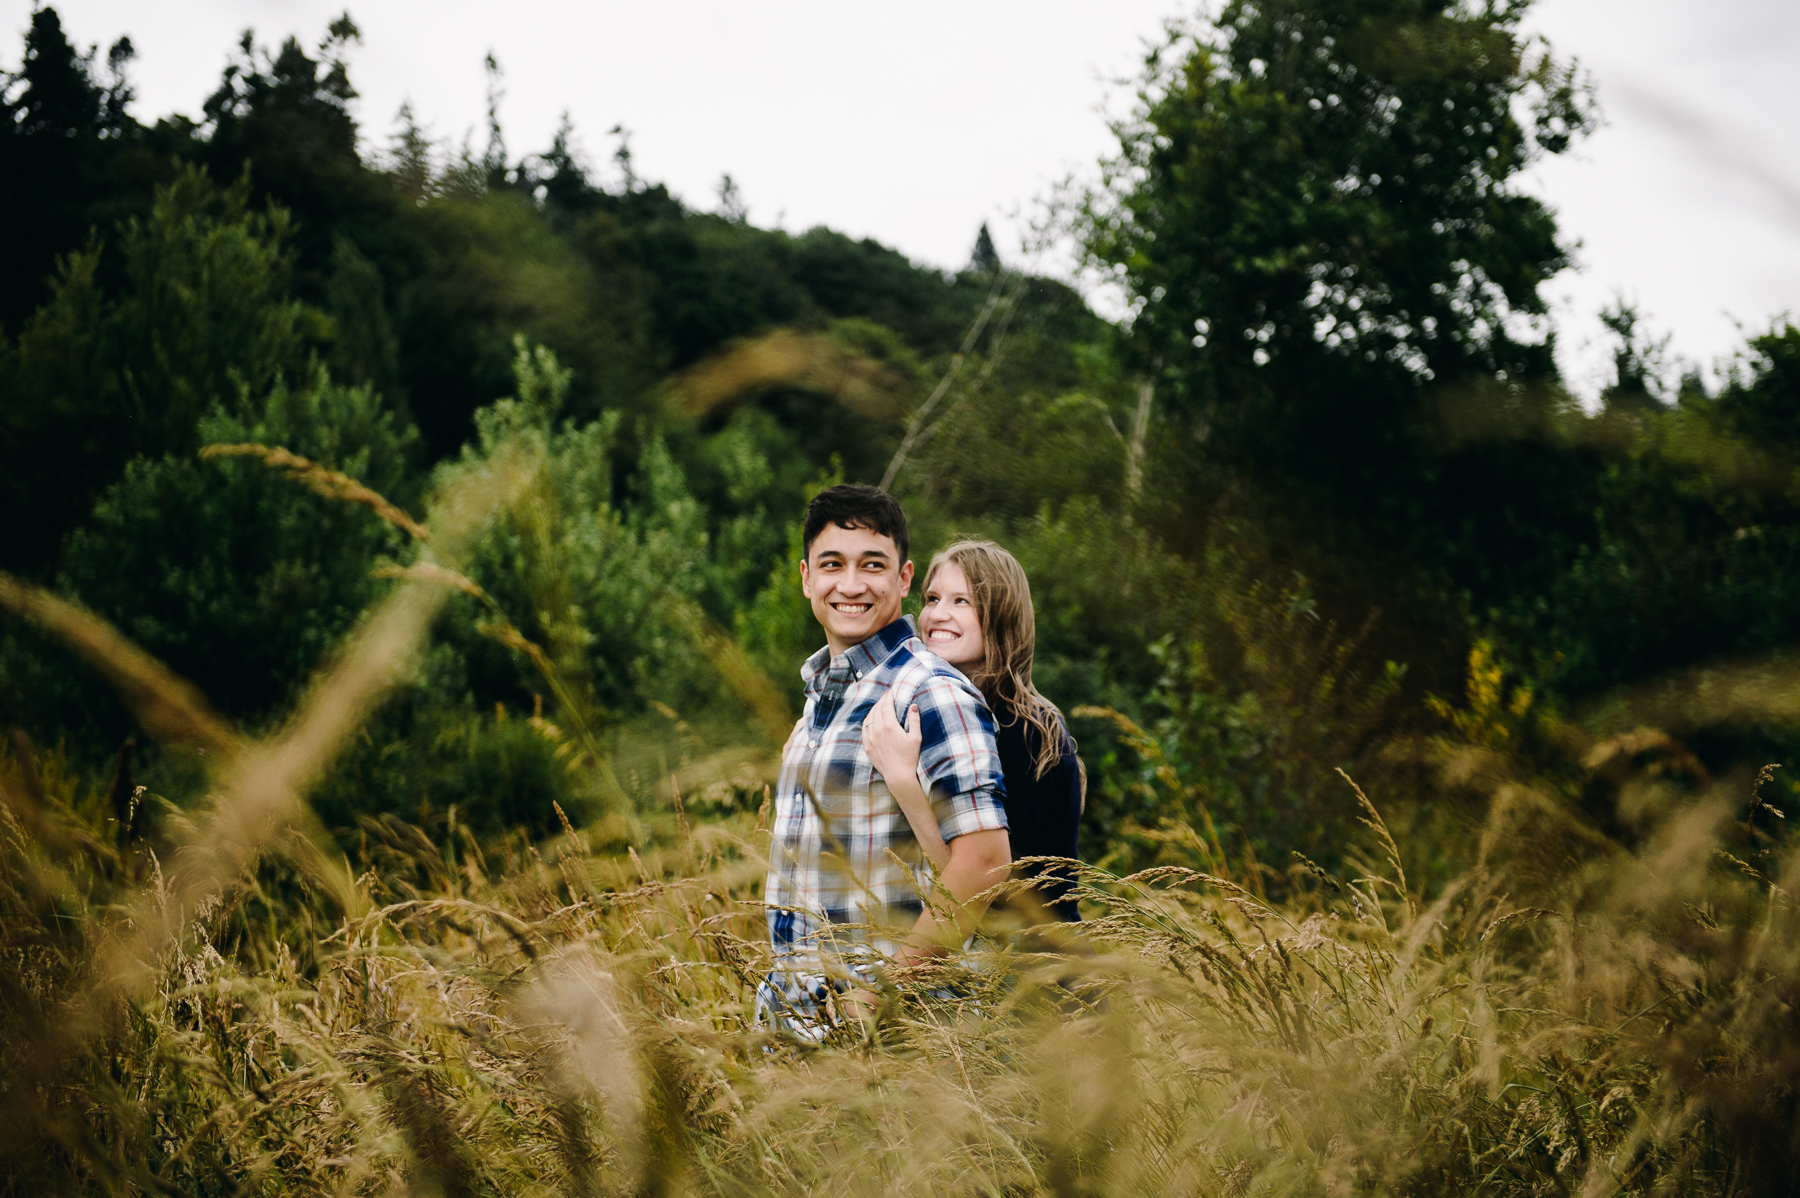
853,505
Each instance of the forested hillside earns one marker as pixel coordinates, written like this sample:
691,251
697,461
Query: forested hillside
399,621
1267,518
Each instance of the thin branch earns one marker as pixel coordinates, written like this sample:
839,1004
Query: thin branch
996,355
1140,429
956,364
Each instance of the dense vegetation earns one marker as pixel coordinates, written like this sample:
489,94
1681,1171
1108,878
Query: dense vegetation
403,542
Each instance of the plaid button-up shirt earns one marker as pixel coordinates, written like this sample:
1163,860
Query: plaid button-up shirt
846,873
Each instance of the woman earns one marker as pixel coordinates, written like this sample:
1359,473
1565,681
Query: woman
977,616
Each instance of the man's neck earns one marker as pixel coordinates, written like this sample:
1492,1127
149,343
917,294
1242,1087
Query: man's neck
839,648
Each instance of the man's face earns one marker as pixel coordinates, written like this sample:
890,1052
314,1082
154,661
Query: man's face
856,582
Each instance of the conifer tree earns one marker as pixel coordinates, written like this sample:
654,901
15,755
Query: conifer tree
985,259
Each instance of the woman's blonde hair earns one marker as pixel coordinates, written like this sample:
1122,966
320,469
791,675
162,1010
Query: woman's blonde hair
1009,634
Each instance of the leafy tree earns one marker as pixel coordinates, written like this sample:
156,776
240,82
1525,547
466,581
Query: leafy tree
1638,362
1762,403
239,579
1314,208
201,317
609,586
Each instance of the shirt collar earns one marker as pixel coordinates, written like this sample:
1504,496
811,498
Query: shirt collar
861,658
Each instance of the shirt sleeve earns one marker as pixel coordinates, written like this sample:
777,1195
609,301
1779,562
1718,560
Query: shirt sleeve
958,761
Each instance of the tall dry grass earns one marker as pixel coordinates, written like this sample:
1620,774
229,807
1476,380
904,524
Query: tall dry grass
233,1006
443,1016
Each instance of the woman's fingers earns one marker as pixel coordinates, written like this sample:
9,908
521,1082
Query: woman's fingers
886,740
884,721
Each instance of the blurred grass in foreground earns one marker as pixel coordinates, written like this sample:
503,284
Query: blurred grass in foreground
208,1015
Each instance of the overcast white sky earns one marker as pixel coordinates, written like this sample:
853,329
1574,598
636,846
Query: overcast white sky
913,124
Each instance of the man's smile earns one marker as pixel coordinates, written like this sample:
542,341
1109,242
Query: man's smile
856,581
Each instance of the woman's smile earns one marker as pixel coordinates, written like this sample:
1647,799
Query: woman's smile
949,621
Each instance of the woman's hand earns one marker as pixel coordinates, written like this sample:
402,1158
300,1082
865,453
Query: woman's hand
893,750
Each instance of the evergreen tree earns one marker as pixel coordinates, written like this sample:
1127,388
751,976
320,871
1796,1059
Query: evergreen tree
67,146
985,259
286,116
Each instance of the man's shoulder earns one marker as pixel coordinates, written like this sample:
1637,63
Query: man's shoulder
913,667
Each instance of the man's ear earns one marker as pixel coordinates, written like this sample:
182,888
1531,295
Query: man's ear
806,580
906,577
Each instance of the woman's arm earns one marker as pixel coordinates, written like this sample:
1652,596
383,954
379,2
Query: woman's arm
978,861
894,752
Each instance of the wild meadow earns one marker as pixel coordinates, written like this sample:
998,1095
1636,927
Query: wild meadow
399,623
238,1004
558,1017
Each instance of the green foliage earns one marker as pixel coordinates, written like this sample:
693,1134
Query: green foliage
1677,551
492,268
202,318
599,585
432,754
1762,403
71,155
1368,402
1317,211
287,116
1245,732
1105,592
238,579
1326,185
1035,419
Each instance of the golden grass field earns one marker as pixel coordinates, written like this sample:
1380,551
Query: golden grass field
238,1006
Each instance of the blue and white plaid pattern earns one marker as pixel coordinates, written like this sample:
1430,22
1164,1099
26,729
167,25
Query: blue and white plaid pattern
847,878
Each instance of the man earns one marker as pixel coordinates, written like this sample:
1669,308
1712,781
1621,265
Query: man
847,879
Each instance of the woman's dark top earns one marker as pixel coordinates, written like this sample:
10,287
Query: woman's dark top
1043,815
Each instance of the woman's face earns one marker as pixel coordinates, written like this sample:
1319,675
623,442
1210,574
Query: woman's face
949,623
